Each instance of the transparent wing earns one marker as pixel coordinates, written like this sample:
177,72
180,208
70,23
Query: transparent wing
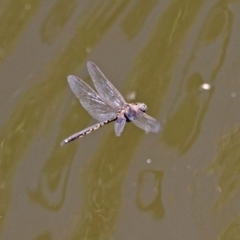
90,100
119,125
106,90
147,123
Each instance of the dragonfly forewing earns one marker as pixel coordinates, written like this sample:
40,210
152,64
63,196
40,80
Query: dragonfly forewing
104,87
90,100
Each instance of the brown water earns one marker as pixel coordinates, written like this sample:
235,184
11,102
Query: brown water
180,184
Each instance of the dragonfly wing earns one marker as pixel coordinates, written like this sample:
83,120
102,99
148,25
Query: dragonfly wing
147,123
119,125
90,100
104,87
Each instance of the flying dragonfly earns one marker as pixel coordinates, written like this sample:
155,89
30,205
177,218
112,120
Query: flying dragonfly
108,105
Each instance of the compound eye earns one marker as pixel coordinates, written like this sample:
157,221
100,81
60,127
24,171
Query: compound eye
143,107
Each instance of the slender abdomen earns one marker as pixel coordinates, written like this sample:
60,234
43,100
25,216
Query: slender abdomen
86,131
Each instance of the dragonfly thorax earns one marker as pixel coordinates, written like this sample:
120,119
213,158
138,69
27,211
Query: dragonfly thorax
132,110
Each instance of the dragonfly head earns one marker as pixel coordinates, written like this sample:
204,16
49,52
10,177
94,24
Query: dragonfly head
142,107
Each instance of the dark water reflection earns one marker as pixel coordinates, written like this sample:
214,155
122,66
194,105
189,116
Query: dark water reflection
103,187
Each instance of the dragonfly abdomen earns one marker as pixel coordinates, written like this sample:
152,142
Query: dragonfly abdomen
87,131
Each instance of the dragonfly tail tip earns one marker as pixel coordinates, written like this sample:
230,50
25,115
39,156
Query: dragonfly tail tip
63,143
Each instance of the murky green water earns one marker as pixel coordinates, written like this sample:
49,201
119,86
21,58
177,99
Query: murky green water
180,184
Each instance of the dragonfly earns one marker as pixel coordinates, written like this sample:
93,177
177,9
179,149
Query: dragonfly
108,105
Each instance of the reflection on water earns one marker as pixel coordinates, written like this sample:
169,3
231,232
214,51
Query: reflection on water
162,75
190,107
137,16
56,20
232,231
184,126
149,193
136,80
33,111
220,184
226,166
14,18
